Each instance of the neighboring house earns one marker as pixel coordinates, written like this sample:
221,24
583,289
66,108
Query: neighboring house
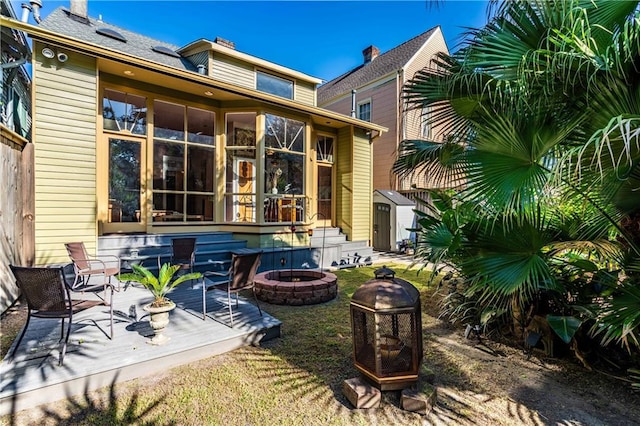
133,135
15,101
373,92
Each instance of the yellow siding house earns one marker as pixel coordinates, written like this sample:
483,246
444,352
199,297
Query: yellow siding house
134,136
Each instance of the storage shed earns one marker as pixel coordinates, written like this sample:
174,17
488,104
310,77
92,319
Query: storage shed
393,216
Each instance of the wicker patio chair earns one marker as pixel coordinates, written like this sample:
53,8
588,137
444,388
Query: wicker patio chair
240,276
49,296
85,266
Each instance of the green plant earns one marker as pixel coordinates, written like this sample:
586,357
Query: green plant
539,124
161,285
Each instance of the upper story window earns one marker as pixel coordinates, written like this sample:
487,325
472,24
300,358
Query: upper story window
274,85
364,110
425,126
124,112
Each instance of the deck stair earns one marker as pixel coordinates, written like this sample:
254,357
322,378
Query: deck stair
213,249
340,253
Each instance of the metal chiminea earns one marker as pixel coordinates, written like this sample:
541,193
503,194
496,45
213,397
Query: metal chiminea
386,322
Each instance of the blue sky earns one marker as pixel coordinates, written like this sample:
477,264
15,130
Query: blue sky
320,38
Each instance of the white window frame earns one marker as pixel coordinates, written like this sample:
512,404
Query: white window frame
360,104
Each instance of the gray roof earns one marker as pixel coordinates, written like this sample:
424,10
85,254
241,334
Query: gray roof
385,63
137,45
395,197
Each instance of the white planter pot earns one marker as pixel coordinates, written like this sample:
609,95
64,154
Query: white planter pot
158,320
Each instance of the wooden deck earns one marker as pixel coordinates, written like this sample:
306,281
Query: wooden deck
93,361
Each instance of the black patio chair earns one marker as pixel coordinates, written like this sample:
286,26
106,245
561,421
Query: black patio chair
49,296
183,253
240,276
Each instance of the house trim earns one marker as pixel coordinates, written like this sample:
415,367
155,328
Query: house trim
422,48
87,48
370,85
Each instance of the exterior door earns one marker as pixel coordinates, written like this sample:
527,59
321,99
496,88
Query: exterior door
382,226
325,185
126,186
245,208
324,172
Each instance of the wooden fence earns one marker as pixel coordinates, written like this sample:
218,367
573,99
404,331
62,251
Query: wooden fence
17,236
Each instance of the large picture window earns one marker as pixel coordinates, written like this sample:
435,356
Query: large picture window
183,163
284,169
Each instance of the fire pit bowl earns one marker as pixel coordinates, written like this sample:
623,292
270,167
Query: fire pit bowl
296,287
390,346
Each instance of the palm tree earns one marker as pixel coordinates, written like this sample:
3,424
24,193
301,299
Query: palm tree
541,118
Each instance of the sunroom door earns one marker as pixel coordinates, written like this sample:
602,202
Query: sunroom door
126,186
325,197
324,189
244,207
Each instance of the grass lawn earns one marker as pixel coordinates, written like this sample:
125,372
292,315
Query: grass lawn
297,380
293,380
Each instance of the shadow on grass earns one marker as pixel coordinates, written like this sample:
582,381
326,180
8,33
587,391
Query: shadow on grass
91,408
316,345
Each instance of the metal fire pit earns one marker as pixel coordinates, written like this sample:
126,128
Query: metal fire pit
387,331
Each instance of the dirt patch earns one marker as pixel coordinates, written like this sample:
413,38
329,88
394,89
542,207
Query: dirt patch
11,323
481,381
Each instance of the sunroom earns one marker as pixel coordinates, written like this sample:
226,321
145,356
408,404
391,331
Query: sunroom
134,136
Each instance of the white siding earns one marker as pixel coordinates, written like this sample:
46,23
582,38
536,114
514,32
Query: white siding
435,44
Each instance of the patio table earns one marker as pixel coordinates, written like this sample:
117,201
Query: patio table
127,261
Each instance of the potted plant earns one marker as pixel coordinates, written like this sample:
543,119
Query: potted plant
159,286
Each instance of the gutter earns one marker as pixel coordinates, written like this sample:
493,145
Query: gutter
90,49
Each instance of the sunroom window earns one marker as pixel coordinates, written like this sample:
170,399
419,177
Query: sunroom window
284,169
124,112
240,188
183,163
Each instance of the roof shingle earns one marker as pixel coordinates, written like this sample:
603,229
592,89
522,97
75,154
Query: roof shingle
137,45
392,60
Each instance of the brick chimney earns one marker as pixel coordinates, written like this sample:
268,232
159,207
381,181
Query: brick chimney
79,8
370,53
224,42
79,11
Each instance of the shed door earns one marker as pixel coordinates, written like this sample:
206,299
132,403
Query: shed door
382,226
